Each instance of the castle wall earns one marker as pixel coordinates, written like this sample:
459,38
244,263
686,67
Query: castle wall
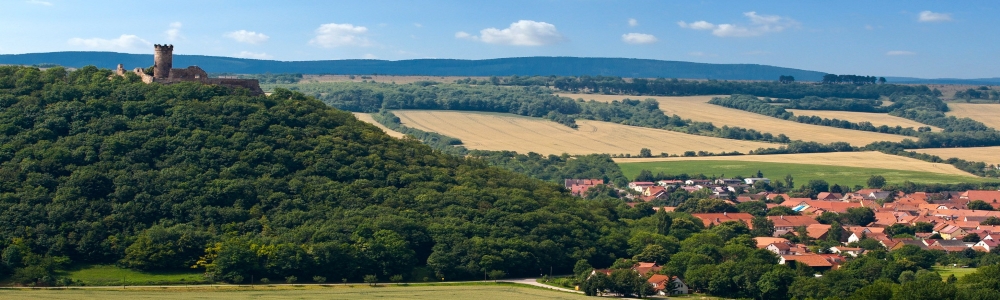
163,73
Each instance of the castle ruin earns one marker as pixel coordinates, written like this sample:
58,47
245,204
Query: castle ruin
163,72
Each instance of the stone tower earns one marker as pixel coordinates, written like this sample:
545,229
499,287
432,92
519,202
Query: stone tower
163,59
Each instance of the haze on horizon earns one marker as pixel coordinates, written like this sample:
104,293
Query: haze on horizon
926,39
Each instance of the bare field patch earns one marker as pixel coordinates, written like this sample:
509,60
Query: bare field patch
870,159
383,78
876,119
367,118
989,114
698,109
492,131
989,155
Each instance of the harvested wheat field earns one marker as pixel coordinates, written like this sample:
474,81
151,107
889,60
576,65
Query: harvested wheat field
492,131
367,118
989,155
989,114
871,159
876,119
696,108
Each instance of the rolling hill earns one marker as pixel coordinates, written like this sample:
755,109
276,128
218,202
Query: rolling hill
562,66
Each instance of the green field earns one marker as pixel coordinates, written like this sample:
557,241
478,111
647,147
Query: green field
480,292
111,275
849,176
959,272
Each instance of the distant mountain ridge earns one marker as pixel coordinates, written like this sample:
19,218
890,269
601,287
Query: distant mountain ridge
561,66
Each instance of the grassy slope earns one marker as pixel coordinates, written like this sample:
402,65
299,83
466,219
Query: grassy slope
802,173
959,272
111,275
480,292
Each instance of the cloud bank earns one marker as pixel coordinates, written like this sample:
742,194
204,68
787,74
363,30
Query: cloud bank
929,16
520,33
638,38
334,35
124,42
248,37
759,25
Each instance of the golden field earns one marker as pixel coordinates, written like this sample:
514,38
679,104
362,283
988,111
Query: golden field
492,131
989,155
697,108
871,159
989,114
876,119
367,118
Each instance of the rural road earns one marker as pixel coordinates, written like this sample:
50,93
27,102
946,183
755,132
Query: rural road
534,282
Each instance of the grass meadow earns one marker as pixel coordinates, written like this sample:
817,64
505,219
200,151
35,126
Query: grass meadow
845,176
485,291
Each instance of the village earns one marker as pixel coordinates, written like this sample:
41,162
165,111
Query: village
952,221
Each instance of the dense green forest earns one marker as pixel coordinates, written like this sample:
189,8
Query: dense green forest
673,87
162,177
104,169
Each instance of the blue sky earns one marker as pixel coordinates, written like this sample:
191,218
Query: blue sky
928,39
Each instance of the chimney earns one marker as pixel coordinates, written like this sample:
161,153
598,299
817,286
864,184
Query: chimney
782,217
725,213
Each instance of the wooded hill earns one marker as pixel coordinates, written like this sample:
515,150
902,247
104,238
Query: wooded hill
544,66
161,177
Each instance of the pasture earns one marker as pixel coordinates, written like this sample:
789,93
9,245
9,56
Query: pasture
948,270
367,118
989,155
869,159
988,114
696,108
481,292
96,275
803,173
876,119
494,131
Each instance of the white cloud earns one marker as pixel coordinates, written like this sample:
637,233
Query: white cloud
248,37
520,33
174,33
759,25
418,25
899,52
122,43
254,55
334,35
633,22
370,56
929,16
465,36
638,38
700,25
40,2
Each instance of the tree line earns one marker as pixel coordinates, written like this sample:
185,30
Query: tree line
674,87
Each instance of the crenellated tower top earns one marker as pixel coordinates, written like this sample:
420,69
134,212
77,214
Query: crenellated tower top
163,60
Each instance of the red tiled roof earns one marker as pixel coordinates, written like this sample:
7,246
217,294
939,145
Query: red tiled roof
716,218
792,221
812,260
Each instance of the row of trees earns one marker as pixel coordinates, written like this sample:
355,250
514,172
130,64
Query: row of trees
852,79
674,87
755,105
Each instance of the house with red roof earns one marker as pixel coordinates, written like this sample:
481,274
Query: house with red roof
668,285
711,219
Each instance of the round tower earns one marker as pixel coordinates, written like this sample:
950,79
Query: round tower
163,60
